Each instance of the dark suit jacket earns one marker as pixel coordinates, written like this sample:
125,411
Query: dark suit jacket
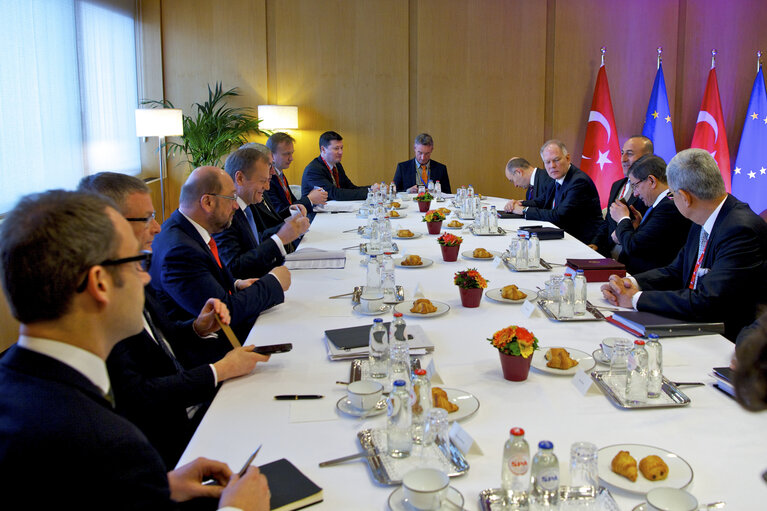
238,250
52,412
577,211
405,175
317,174
149,390
656,242
185,274
541,190
733,287
280,201
269,221
603,239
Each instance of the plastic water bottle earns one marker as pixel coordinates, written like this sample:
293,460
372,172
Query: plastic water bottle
533,251
636,377
399,421
545,475
378,350
386,244
522,258
373,280
470,192
430,187
392,190
387,278
438,190
398,330
580,294
515,470
567,291
654,366
399,364
421,404
374,246
484,220
493,220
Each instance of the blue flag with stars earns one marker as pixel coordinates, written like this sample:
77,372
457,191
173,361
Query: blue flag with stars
749,178
657,122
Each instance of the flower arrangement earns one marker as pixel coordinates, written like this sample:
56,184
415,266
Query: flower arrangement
449,240
433,215
424,197
469,279
515,340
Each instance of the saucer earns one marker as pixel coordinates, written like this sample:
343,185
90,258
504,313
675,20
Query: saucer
358,308
398,502
600,357
346,407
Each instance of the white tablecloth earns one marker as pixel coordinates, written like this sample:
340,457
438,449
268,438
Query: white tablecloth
723,443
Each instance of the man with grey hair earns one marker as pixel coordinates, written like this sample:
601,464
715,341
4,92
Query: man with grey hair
420,170
535,181
720,272
573,201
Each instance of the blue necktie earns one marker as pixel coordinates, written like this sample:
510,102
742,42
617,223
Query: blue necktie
252,223
557,191
646,214
530,193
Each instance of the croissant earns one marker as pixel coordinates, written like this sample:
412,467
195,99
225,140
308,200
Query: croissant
625,465
423,306
455,223
440,400
393,214
559,358
653,468
396,204
481,252
444,211
512,292
405,233
412,260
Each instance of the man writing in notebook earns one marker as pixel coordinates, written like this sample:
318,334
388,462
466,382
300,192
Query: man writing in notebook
718,274
535,181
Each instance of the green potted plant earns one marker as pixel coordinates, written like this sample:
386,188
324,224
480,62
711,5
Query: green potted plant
470,284
433,219
213,130
515,346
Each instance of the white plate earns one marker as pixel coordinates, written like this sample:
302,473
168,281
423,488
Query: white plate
679,471
425,260
401,215
585,361
468,255
346,407
600,357
401,206
398,502
405,307
358,308
415,235
445,226
495,294
467,403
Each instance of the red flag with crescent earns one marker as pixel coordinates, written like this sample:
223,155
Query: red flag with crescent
601,158
709,131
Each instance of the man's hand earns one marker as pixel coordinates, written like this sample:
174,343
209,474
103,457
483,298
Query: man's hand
249,492
510,205
593,247
206,323
636,217
283,276
241,284
292,228
618,210
518,208
413,189
186,481
238,362
318,196
619,291
300,207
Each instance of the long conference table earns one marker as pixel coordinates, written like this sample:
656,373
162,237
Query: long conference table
724,444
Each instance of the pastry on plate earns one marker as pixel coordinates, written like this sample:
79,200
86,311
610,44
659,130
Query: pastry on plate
412,260
405,233
653,468
393,214
440,400
512,292
455,223
481,253
625,465
559,358
396,205
423,306
444,211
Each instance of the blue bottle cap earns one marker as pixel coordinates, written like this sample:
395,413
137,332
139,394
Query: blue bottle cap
378,320
399,383
579,272
653,336
545,444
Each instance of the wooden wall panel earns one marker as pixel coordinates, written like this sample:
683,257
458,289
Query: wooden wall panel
479,86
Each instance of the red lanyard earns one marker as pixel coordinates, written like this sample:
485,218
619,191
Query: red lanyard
694,278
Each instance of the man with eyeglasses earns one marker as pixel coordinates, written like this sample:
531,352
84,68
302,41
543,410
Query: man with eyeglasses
72,273
187,269
155,385
654,239
573,198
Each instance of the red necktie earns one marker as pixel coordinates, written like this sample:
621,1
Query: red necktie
335,177
214,249
285,188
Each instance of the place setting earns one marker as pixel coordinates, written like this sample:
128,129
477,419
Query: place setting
406,234
364,398
413,261
511,294
480,254
562,361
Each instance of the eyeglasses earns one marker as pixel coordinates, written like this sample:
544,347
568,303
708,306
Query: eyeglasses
144,259
230,197
147,220
634,184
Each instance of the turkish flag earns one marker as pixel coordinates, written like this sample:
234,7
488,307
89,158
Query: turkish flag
601,158
709,130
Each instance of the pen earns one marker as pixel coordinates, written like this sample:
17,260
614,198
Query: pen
292,397
213,482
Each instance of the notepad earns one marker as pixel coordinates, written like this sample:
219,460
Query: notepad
290,488
645,323
352,342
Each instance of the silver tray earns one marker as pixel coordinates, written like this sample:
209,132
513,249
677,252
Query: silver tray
357,368
592,313
671,396
399,294
543,265
496,499
364,249
501,232
449,455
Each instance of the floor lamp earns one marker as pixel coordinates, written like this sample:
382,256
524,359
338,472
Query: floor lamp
278,117
161,123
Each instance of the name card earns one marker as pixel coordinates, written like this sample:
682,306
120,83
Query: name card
528,308
463,440
582,382
431,373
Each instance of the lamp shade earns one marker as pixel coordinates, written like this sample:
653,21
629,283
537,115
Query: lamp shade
274,117
159,122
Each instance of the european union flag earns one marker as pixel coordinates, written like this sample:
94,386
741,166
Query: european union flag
657,123
749,178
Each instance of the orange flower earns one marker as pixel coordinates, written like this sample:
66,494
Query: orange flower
515,340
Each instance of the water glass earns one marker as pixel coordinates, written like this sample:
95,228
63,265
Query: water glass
584,471
436,428
618,369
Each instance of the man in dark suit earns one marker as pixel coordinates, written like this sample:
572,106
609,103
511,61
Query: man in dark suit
245,247
152,386
720,272
633,149
654,239
535,181
279,192
574,198
73,277
420,170
327,173
187,269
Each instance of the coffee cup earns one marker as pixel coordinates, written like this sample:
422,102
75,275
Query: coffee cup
370,302
425,488
607,344
364,394
671,499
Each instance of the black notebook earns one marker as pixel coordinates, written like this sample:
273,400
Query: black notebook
290,488
544,233
351,337
644,323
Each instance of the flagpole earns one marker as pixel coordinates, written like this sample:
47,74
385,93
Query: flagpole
603,50
660,50
713,58
758,60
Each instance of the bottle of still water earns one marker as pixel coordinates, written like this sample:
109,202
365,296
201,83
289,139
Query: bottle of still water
421,404
378,350
515,471
654,366
579,305
398,330
522,259
438,190
386,243
470,192
399,436
493,220
567,293
388,283
392,191
430,187
545,475
636,377
374,246
533,251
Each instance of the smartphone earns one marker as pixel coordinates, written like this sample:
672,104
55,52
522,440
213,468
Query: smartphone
274,348
294,211
632,216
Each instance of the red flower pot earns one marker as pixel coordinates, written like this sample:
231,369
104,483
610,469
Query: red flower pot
434,227
450,254
423,206
515,367
470,297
